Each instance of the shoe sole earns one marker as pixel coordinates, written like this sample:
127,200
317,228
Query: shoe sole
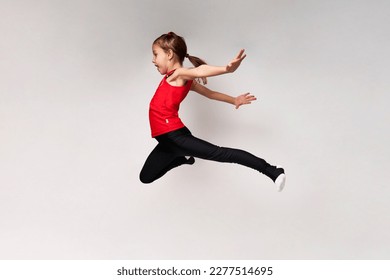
280,181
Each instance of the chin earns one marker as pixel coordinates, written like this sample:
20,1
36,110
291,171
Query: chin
161,72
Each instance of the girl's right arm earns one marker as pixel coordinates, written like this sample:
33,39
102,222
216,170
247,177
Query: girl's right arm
204,71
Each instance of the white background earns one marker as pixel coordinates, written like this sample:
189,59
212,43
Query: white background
75,82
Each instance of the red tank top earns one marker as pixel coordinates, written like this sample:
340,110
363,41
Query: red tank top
164,107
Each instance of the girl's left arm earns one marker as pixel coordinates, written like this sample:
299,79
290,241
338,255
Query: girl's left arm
242,99
205,70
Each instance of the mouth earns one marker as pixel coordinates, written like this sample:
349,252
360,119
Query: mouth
158,68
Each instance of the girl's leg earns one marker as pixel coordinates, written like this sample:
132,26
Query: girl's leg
160,161
192,146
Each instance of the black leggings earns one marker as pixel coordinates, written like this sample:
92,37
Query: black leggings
172,148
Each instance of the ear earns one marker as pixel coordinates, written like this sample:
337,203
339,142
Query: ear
170,54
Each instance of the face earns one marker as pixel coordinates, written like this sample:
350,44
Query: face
160,59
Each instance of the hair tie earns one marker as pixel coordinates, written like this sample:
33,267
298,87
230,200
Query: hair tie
187,55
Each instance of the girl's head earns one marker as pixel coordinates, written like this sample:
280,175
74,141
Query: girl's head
173,47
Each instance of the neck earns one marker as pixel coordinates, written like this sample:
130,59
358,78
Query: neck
174,66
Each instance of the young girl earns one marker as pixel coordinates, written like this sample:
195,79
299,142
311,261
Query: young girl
176,145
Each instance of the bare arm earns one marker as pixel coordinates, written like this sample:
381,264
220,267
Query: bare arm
242,99
204,71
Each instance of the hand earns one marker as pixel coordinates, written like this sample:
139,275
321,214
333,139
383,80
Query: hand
242,99
235,63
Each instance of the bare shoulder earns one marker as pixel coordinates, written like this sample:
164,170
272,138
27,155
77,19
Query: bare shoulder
184,72
179,77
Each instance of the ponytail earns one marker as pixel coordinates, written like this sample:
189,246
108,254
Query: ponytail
196,61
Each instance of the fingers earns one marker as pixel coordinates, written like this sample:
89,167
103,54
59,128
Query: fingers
244,99
235,63
249,97
241,55
243,103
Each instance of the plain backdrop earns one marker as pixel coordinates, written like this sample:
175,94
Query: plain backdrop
76,79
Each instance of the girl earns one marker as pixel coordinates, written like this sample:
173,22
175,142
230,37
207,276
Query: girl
176,145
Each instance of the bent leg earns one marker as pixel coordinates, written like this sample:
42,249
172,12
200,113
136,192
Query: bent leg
160,161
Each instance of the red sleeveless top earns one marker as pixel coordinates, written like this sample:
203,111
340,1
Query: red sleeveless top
164,107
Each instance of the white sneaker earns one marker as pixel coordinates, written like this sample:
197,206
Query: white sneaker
280,180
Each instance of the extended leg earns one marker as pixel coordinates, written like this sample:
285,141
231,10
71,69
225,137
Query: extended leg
196,147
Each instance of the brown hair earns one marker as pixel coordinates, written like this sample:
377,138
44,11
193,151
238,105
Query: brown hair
177,44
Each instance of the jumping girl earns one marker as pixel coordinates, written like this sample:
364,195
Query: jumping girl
176,145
